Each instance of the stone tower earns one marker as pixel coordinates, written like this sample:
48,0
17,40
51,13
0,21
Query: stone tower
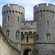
13,15
45,17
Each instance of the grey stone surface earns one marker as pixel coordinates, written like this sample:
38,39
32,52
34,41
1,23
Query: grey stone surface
43,24
44,15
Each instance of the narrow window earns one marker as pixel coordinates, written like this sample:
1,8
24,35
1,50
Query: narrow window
30,34
48,35
37,37
40,10
27,37
44,10
13,11
9,10
8,18
8,33
18,18
26,34
47,23
34,34
17,34
22,35
37,11
47,10
16,11
41,15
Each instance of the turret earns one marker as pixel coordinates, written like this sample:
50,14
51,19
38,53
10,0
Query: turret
13,15
44,15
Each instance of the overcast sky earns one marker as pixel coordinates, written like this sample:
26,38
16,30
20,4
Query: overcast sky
27,4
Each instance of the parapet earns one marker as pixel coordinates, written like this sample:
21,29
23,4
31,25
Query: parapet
14,7
28,25
44,6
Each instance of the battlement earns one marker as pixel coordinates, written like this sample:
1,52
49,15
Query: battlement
28,25
44,5
13,5
13,8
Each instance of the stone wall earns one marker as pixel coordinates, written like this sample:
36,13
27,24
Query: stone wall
6,48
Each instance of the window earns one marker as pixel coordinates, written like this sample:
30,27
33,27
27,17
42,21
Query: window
37,36
37,11
50,10
17,34
16,11
8,33
18,18
47,23
48,35
41,15
8,18
13,11
22,35
26,34
27,37
40,10
47,10
44,10
9,10
30,34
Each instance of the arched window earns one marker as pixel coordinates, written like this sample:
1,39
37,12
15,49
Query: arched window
48,36
22,35
8,33
17,34
26,35
30,34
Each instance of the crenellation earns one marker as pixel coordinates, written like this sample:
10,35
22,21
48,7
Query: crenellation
42,5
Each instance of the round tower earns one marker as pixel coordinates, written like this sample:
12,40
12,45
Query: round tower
44,15
13,15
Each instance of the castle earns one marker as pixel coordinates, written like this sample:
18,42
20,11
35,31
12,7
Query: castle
35,37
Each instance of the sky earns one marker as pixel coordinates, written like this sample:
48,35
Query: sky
27,4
